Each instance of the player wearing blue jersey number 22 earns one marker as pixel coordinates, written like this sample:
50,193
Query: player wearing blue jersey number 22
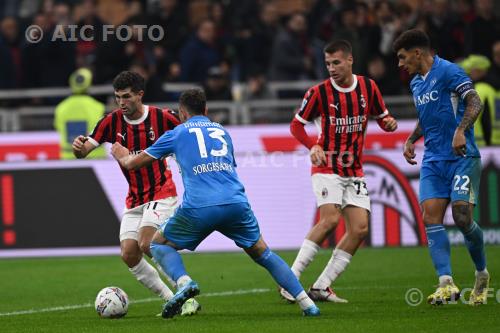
447,107
214,200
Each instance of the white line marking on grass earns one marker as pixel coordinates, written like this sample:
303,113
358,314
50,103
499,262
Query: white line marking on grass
143,300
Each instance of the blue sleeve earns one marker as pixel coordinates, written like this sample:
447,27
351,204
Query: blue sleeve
458,81
164,146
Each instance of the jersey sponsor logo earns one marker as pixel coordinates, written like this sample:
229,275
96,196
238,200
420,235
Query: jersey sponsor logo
348,124
423,99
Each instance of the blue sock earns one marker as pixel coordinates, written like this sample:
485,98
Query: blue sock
280,271
473,236
439,248
169,260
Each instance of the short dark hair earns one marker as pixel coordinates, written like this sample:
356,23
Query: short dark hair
194,100
129,79
338,45
410,39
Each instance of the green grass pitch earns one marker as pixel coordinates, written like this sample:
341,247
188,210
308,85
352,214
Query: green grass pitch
57,295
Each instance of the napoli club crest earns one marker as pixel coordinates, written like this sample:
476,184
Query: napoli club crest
151,134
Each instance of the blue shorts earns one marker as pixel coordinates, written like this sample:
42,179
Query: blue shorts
188,227
456,180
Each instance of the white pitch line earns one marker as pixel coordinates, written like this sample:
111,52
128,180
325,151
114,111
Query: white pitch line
143,300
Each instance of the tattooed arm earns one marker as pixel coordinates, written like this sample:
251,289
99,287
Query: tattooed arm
409,148
472,111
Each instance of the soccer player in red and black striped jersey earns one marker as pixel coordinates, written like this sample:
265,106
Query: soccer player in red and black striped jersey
152,196
340,106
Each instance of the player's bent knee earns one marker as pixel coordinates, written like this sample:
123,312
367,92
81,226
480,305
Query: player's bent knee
430,219
330,222
145,247
131,258
361,232
461,216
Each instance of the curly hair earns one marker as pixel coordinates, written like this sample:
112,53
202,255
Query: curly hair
410,39
128,79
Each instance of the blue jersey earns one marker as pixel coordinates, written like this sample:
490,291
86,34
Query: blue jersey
204,152
439,99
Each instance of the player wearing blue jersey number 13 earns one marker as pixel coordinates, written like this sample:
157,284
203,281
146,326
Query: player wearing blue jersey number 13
447,107
214,200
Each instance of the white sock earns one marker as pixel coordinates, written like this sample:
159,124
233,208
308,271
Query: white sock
149,277
168,278
483,272
303,300
306,254
445,280
336,265
183,280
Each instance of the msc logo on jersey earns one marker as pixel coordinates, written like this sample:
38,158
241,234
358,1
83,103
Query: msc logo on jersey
423,99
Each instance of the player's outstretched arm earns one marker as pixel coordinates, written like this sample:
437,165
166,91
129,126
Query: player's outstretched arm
127,161
472,111
82,147
409,148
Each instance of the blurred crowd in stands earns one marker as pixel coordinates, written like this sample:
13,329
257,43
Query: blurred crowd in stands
217,42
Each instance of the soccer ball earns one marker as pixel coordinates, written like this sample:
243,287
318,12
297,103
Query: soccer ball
111,302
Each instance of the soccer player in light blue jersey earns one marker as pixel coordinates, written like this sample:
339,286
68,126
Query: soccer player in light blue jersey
447,107
214,200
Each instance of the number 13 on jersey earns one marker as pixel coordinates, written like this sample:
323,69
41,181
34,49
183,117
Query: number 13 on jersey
214,133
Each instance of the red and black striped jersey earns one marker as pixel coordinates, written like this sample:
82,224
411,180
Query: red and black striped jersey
341,115
148,183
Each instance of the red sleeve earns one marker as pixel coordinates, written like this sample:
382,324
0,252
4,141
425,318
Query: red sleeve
298,131
170,118
378,109
102,130
309,108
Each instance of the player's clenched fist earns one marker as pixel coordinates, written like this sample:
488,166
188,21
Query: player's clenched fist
317,155
78,142
390,124
409,153
118,151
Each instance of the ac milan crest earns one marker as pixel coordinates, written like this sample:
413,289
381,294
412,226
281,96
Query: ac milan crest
151,134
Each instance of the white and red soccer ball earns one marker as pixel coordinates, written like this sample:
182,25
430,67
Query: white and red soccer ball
111,302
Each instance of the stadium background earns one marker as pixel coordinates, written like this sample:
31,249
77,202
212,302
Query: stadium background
255,59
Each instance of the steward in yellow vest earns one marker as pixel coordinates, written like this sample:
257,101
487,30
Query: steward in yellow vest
487,127
78,114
